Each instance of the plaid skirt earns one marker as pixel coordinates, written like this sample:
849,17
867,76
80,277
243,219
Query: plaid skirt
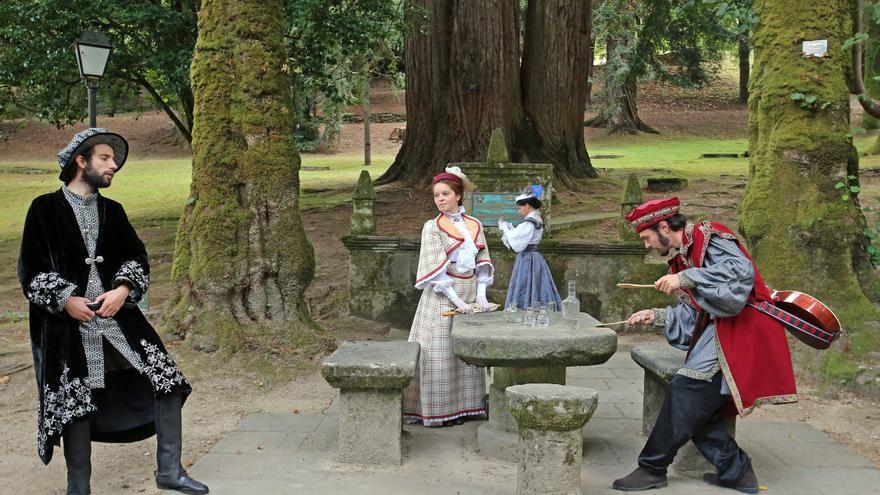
445,387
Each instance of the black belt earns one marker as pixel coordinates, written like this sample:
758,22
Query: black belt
530,248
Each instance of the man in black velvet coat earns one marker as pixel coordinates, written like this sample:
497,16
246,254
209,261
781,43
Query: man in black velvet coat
102,372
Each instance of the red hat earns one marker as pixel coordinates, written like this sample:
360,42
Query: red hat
653,212
447,176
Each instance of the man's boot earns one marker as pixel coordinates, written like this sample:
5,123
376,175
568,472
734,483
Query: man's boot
78,456
169,442
638,480
747,483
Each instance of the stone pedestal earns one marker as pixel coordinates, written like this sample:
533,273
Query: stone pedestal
519,355
660,365
370,377
550,418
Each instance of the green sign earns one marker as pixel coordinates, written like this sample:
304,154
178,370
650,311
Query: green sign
488,207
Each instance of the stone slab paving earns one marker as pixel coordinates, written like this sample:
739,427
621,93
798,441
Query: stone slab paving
287,453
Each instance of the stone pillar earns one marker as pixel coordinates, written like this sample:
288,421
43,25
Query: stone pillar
369,426
370,377
497,152
363,217
632,197
499,415
497,437
550,418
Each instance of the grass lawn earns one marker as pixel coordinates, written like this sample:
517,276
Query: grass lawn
154,191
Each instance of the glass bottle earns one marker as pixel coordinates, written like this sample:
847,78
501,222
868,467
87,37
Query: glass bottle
571,307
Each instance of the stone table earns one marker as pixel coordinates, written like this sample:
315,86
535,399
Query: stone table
521,354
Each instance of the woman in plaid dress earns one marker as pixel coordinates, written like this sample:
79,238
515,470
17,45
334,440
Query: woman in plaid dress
454,271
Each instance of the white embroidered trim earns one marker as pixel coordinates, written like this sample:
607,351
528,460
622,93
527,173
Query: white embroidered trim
73,399
50,291
161,369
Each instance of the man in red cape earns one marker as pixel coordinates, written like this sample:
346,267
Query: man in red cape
737,356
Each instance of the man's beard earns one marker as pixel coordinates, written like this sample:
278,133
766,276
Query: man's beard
664,241
93,178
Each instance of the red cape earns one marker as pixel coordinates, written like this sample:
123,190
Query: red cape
753,350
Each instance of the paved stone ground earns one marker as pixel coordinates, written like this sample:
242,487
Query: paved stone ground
287,453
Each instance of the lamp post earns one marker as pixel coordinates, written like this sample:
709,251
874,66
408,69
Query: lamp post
92,52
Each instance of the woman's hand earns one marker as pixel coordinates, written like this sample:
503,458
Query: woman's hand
483,303
463,307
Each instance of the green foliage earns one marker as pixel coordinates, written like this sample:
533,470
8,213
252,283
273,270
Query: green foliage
333,46
665,40
152,47
809,102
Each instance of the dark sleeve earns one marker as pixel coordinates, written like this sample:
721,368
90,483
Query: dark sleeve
41,283
135,269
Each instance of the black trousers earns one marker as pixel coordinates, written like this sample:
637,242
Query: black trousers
691,411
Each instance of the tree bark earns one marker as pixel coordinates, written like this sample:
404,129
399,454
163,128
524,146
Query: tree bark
464,79
367,145
462,82
802,234
744,52
872,70
619,111
242,261
555,68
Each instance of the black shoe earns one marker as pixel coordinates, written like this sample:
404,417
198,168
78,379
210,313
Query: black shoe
639,480
183,484
747,483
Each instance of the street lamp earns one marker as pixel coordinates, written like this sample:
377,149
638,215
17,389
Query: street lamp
92,51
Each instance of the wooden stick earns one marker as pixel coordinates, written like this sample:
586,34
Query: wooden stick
449,313
635,286
621,322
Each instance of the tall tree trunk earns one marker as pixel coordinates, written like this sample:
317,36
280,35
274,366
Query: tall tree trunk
802,233
744,52
367,138
242,261
555,66
871,68
462,81
619,111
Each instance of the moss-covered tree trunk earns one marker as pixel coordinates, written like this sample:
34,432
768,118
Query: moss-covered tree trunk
556,64
801,232
242,261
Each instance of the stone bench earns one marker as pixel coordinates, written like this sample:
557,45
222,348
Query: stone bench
660,364
550,418
370,377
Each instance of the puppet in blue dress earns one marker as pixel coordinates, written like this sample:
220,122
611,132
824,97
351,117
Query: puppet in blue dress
531,282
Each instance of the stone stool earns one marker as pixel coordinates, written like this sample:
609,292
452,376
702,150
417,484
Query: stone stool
550,418
370,377
660,364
